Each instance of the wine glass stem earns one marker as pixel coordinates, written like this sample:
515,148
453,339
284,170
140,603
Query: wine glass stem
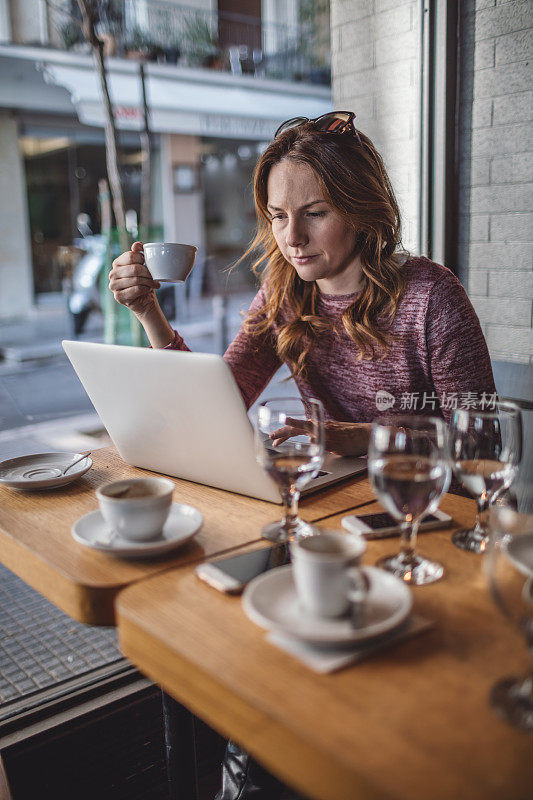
526,682
290,511
529,674
482,513
408,538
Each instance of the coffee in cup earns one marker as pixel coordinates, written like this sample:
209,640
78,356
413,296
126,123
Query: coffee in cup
138,508
169,262
326,572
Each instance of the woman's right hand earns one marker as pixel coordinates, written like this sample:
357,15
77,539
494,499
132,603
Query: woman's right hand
131,282
342,438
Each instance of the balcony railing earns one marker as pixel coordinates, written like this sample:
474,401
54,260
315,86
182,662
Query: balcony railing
158,31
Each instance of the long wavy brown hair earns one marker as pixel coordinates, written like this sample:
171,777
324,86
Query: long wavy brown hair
356,185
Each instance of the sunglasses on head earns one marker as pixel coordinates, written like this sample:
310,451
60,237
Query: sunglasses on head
334,122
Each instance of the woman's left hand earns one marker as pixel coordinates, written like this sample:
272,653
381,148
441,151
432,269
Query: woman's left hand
342,438
347,438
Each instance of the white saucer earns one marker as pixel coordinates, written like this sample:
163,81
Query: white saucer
520,552
271,602
12,471
182,523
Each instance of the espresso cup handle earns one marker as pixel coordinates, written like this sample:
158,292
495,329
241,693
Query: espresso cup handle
356,594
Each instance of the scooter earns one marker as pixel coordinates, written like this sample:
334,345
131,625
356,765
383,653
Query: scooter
84,295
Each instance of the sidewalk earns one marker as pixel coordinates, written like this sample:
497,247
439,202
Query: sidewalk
38,336
30,348
32,345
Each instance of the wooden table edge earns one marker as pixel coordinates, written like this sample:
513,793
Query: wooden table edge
89,604
271,742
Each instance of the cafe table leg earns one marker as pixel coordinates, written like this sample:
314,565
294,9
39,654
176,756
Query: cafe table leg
5,794
242,776
180,750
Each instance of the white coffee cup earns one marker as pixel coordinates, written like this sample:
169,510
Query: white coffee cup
138,508
326,572
169,262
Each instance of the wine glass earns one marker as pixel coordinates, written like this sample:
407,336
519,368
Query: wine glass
409,471
509,566
486,448
289,445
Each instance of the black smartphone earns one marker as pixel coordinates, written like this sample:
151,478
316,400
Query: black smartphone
231,573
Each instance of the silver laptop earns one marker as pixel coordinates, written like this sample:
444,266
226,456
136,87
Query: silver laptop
182,414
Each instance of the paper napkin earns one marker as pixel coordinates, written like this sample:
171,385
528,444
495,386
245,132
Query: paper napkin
325,658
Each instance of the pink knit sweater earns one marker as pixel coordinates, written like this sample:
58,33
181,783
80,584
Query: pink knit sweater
438,360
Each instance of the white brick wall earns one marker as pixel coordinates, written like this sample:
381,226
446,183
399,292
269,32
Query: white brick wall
376,72
496,196
376,66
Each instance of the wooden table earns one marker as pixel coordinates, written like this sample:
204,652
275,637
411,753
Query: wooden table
36,543
412,722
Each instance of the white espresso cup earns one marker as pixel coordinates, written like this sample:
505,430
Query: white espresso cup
169,262
138,508
326,572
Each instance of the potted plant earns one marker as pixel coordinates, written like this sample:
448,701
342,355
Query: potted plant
71,34
172,49
137,44
199,41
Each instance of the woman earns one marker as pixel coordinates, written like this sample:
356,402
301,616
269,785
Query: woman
362,326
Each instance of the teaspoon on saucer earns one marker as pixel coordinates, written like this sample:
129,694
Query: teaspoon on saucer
106,539
53,472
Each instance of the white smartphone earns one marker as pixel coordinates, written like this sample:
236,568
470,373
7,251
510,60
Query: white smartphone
381,525
230,574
